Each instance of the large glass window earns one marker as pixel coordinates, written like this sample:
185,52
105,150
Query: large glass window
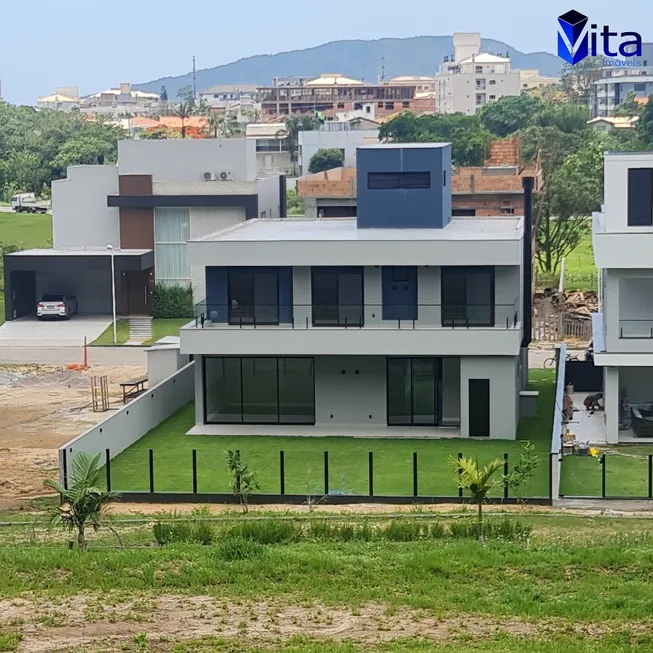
259,390
337,296
467,296
412,387
253,296
171,233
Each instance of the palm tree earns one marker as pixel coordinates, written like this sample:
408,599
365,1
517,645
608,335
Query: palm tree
478,481
295,125
83,503
183,110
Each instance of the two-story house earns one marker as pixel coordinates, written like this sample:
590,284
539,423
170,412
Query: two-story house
623,329
401,320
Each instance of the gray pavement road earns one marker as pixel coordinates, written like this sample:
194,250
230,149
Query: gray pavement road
45,355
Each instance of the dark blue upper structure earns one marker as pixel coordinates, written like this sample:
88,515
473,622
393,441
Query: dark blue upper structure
404,186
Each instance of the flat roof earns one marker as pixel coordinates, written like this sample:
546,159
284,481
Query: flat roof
403,146
337,229
80,251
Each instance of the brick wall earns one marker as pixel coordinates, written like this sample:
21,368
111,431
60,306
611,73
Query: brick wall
339,182
506,152
490,205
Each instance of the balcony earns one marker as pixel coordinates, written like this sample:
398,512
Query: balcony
621,246
363,329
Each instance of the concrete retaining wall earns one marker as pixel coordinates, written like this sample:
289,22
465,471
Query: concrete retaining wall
120,430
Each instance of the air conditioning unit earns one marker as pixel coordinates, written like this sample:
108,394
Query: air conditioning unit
225,175
209,176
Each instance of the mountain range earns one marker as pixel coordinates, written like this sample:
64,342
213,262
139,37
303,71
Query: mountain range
419,55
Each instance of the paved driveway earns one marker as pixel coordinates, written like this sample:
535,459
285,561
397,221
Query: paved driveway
30,332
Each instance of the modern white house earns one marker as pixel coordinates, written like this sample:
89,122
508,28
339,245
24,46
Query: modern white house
400,321
623,328
347,141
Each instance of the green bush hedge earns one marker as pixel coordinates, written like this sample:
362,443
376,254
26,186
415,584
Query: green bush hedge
172,301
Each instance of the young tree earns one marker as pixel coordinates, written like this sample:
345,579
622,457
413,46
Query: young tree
183,111
478,481
326,159
223,124
83,503
163,95
645,124
294,203
185,94
293,126
243,481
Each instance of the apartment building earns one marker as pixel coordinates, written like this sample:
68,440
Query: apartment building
470,79
332,93
623,328
272,149
160,194
401,320
493,189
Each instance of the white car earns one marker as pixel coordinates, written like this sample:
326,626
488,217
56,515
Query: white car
55,305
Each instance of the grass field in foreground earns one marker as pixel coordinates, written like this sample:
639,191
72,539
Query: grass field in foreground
160,328
348,458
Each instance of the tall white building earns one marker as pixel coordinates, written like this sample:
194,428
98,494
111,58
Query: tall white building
623,328
471,78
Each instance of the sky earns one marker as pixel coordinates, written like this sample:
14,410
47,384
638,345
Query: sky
95,45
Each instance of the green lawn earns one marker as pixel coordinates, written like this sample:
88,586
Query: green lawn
25,231
348,458
160,329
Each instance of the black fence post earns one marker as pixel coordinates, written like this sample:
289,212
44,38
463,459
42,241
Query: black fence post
505,476
370,472
194,471
603,476
650,476
326,473
151,471
65,468
415,487
460,473
282,473
107,468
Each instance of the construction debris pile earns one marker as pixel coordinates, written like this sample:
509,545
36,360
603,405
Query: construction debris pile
564,316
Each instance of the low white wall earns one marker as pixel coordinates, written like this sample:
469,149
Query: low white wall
120,430
163,361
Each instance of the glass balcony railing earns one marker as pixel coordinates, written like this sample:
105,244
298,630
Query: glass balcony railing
221,315
636,329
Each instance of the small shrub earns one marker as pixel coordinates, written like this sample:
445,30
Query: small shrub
203,533
172,301
238,548
162,533
10,641
463,528
403,531
508,529
267,531
437,530
321,530
181,531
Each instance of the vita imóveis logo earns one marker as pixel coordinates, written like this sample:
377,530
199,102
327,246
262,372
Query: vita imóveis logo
577,40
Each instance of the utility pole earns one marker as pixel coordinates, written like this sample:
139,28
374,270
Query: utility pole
194,81
382,69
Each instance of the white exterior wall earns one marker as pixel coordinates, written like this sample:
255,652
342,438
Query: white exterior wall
312,141
188,159
504,393
269,164
269,201
80,215
457,92
162,362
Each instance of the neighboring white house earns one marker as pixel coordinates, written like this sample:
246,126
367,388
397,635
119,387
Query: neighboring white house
608,123
472,78
623,327
347,141
402,320
272,154
225,95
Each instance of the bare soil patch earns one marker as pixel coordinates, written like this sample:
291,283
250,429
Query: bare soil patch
109,624
42,407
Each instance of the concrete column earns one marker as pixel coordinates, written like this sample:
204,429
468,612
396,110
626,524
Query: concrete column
301,296
611,402
428,296
373,295
199,391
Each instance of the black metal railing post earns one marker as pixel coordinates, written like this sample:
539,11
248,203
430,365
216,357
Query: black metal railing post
650,476
326,473
151,456
505,476
415,484
107,468
603,476
460,473
282,473
194,471
370,472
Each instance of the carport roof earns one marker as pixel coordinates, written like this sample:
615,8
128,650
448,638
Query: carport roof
80,251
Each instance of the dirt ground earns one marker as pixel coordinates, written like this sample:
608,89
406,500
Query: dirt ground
41,408
106,623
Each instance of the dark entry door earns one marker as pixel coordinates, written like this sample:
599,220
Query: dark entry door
479,408
138,293
23,293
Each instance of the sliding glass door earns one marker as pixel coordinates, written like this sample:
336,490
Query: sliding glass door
467,296
412,387
337,296
259,390
253,296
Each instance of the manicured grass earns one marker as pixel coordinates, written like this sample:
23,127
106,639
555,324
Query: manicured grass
25,231
304,458
160,329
